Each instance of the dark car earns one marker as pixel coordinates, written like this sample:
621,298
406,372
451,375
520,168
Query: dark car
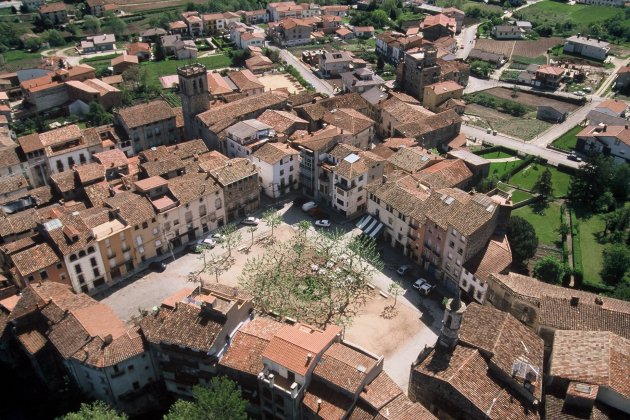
158,266
572,156
299,201
318,213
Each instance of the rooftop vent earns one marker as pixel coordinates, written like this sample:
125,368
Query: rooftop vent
575,300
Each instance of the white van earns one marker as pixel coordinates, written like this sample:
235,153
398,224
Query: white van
308,206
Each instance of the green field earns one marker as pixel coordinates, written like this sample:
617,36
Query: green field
527,177
546,223
165,68
580,14
568,140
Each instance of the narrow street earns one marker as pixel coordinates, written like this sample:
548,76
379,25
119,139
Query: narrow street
551,156
320,85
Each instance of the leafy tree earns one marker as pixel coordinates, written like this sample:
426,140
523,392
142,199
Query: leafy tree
92,24
605,203
303,227
98,410
272,219
616,263
239,56
592,180
32,44
543,185
114,24
380,64
544,30
523,239
214,264
54,38
620,185
231,237
274,55
395,290
320,280
616,221
622,291
97,115
159,54
252,229
221,400
549,270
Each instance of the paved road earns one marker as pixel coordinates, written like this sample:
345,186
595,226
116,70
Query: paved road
572,120
320,85
467,39
515,144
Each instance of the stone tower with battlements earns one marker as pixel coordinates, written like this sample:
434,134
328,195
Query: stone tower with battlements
193,90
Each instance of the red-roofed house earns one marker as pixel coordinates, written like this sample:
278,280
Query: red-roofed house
438,26
612,140
438,93
289,360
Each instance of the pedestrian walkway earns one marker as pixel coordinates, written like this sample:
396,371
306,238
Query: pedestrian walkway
501,160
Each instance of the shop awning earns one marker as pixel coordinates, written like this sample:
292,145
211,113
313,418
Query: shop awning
370,226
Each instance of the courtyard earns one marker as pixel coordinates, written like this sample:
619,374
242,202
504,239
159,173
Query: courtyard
280,81
415,322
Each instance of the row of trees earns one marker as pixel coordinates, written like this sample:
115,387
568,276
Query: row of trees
220,400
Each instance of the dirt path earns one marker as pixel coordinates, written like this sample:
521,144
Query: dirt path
500,160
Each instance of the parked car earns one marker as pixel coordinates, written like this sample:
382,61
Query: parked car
218,237
579,93
426,288
322,223
318,214
299,201
572,156
158,266
251,221
403,269
202,244
419,283
588,89
308,206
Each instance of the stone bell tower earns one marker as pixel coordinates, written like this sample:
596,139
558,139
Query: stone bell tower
193,90
452,321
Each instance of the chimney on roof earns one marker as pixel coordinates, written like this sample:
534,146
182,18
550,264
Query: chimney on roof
319,404
598,300
107,340
309,358
626,126
575,300
604,128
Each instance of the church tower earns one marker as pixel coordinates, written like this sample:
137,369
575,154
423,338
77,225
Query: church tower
193,90
452,321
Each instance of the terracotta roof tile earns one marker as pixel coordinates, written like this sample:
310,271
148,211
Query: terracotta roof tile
495,258
345,367
34,259
282,121
13,183
113,158
233,170
467,373
248,344
594,357
187,325
380,391
505,339
90,172
149,113
413,159
9,156
189,187
271,153
445,174
99,354
402,408
349,120
292,344
334,405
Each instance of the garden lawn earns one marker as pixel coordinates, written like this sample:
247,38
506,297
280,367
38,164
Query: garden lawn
165,68
588,226
527,177
568,140
518,196
499,169
496,154
546,224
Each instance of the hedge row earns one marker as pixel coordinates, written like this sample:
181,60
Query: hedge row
295,73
